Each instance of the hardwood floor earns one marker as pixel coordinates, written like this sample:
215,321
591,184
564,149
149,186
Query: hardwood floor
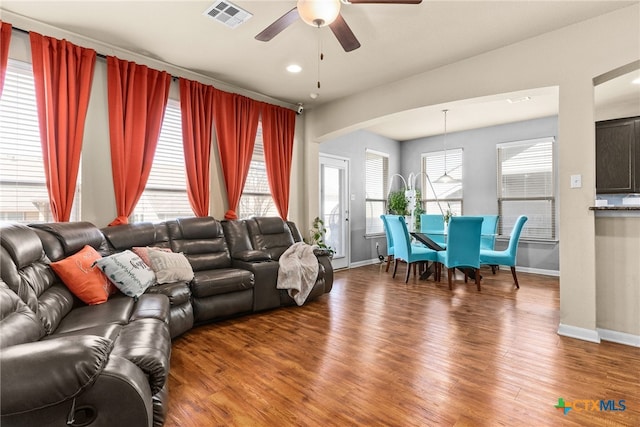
378,352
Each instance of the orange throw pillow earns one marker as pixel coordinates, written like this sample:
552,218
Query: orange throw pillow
83,279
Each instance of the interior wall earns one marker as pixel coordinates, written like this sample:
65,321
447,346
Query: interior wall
353,146
479,176
568,58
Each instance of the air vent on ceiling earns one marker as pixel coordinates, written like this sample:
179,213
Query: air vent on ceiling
227,13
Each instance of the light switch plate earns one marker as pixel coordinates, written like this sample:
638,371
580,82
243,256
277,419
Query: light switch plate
576,181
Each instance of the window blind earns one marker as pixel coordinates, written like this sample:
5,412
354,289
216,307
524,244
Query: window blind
23,191
447,195
526,186
165,195
376,187
256,199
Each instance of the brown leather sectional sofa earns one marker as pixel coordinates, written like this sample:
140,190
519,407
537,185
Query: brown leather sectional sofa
65,362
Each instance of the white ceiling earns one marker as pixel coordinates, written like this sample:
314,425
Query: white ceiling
398,41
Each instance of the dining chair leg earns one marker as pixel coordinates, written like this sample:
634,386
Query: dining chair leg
449,275
493,269
515,278
395,267
406,277
466,275
478,279
389,259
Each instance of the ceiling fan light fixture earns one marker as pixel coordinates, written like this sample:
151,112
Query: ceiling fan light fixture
318,13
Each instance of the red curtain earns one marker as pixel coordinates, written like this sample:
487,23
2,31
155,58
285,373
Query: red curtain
196,105
62,75
5,38
236,118
278,128
137,100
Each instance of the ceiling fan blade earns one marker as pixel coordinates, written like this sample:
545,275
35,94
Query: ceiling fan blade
384,1
344,34
278,25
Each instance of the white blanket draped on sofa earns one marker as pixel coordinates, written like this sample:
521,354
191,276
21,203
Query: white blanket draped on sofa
298,271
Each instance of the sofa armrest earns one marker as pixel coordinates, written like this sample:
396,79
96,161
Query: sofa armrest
324,258
120,395
265,275
45,373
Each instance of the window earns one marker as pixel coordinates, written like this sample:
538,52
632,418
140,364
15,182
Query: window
375,187
165,196
438,197
256,197
23,189
526,187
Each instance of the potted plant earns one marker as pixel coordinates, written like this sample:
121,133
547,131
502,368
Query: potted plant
397,203
447,216
317,235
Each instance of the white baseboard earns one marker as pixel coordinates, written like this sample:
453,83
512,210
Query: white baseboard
619,337
365,262
584,334
555,273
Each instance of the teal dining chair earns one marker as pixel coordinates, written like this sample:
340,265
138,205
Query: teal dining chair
463,247
488,232
433,226
402,247
508,256
389,241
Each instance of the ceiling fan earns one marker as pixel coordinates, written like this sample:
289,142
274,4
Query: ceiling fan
319,13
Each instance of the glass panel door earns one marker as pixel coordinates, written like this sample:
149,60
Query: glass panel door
334,207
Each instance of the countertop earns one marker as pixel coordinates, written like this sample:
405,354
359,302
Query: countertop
614,208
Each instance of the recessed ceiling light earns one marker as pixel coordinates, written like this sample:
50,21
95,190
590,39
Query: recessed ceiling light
294,68
636,81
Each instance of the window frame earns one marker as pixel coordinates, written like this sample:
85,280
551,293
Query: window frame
505,224
373,224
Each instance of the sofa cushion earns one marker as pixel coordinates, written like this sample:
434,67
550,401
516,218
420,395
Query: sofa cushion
117,311
109,331
271,225
151,306
83,278
201,240
220,281
70,237
128,273
170,267
270,234
177,292
18,324
126,236
23,245
143,253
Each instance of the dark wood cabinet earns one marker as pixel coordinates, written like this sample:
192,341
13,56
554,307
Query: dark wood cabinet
618,156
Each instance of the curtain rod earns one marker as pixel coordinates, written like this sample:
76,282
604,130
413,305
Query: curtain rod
175,78
98,54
